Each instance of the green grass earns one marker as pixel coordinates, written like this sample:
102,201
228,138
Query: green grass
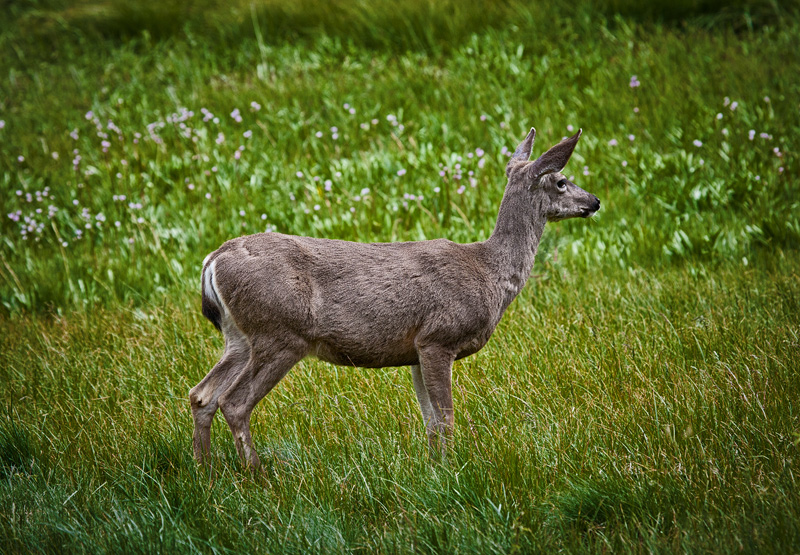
642,411
671,201
640,395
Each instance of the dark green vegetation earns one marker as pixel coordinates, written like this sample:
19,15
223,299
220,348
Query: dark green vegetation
641,394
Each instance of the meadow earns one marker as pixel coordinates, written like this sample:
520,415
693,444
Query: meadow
640,395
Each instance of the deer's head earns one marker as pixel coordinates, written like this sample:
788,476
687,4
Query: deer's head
560,198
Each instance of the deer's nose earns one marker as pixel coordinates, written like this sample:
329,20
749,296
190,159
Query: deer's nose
596,204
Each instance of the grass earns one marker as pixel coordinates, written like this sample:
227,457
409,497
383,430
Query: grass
634,413
178,182
640,395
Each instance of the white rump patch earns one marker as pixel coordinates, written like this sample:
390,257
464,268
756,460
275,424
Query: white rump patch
234,337
208,283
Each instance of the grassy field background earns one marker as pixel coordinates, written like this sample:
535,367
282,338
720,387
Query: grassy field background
640,395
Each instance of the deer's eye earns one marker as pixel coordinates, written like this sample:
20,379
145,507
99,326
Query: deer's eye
562,185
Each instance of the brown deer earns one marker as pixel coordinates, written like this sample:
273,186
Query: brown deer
280,298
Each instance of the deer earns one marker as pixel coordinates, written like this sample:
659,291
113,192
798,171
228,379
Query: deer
278,299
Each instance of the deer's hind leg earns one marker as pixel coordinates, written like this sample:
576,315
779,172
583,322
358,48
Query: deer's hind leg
204,397
270,359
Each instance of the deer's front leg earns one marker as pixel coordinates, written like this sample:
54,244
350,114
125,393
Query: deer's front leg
422,394
436,364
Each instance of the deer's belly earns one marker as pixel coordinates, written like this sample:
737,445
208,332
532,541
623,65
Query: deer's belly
365,356
380,354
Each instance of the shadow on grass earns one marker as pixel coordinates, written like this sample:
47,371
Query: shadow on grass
588,505
17,452
388,25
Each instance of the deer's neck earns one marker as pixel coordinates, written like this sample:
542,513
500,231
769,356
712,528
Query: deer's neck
515,240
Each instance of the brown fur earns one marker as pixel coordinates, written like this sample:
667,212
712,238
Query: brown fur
279,298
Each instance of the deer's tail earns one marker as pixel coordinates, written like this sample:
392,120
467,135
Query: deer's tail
212,305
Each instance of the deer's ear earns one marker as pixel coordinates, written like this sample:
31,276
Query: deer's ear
555,159
523,151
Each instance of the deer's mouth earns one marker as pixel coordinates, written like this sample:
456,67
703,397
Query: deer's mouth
590,211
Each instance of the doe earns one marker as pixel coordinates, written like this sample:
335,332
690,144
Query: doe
279,298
